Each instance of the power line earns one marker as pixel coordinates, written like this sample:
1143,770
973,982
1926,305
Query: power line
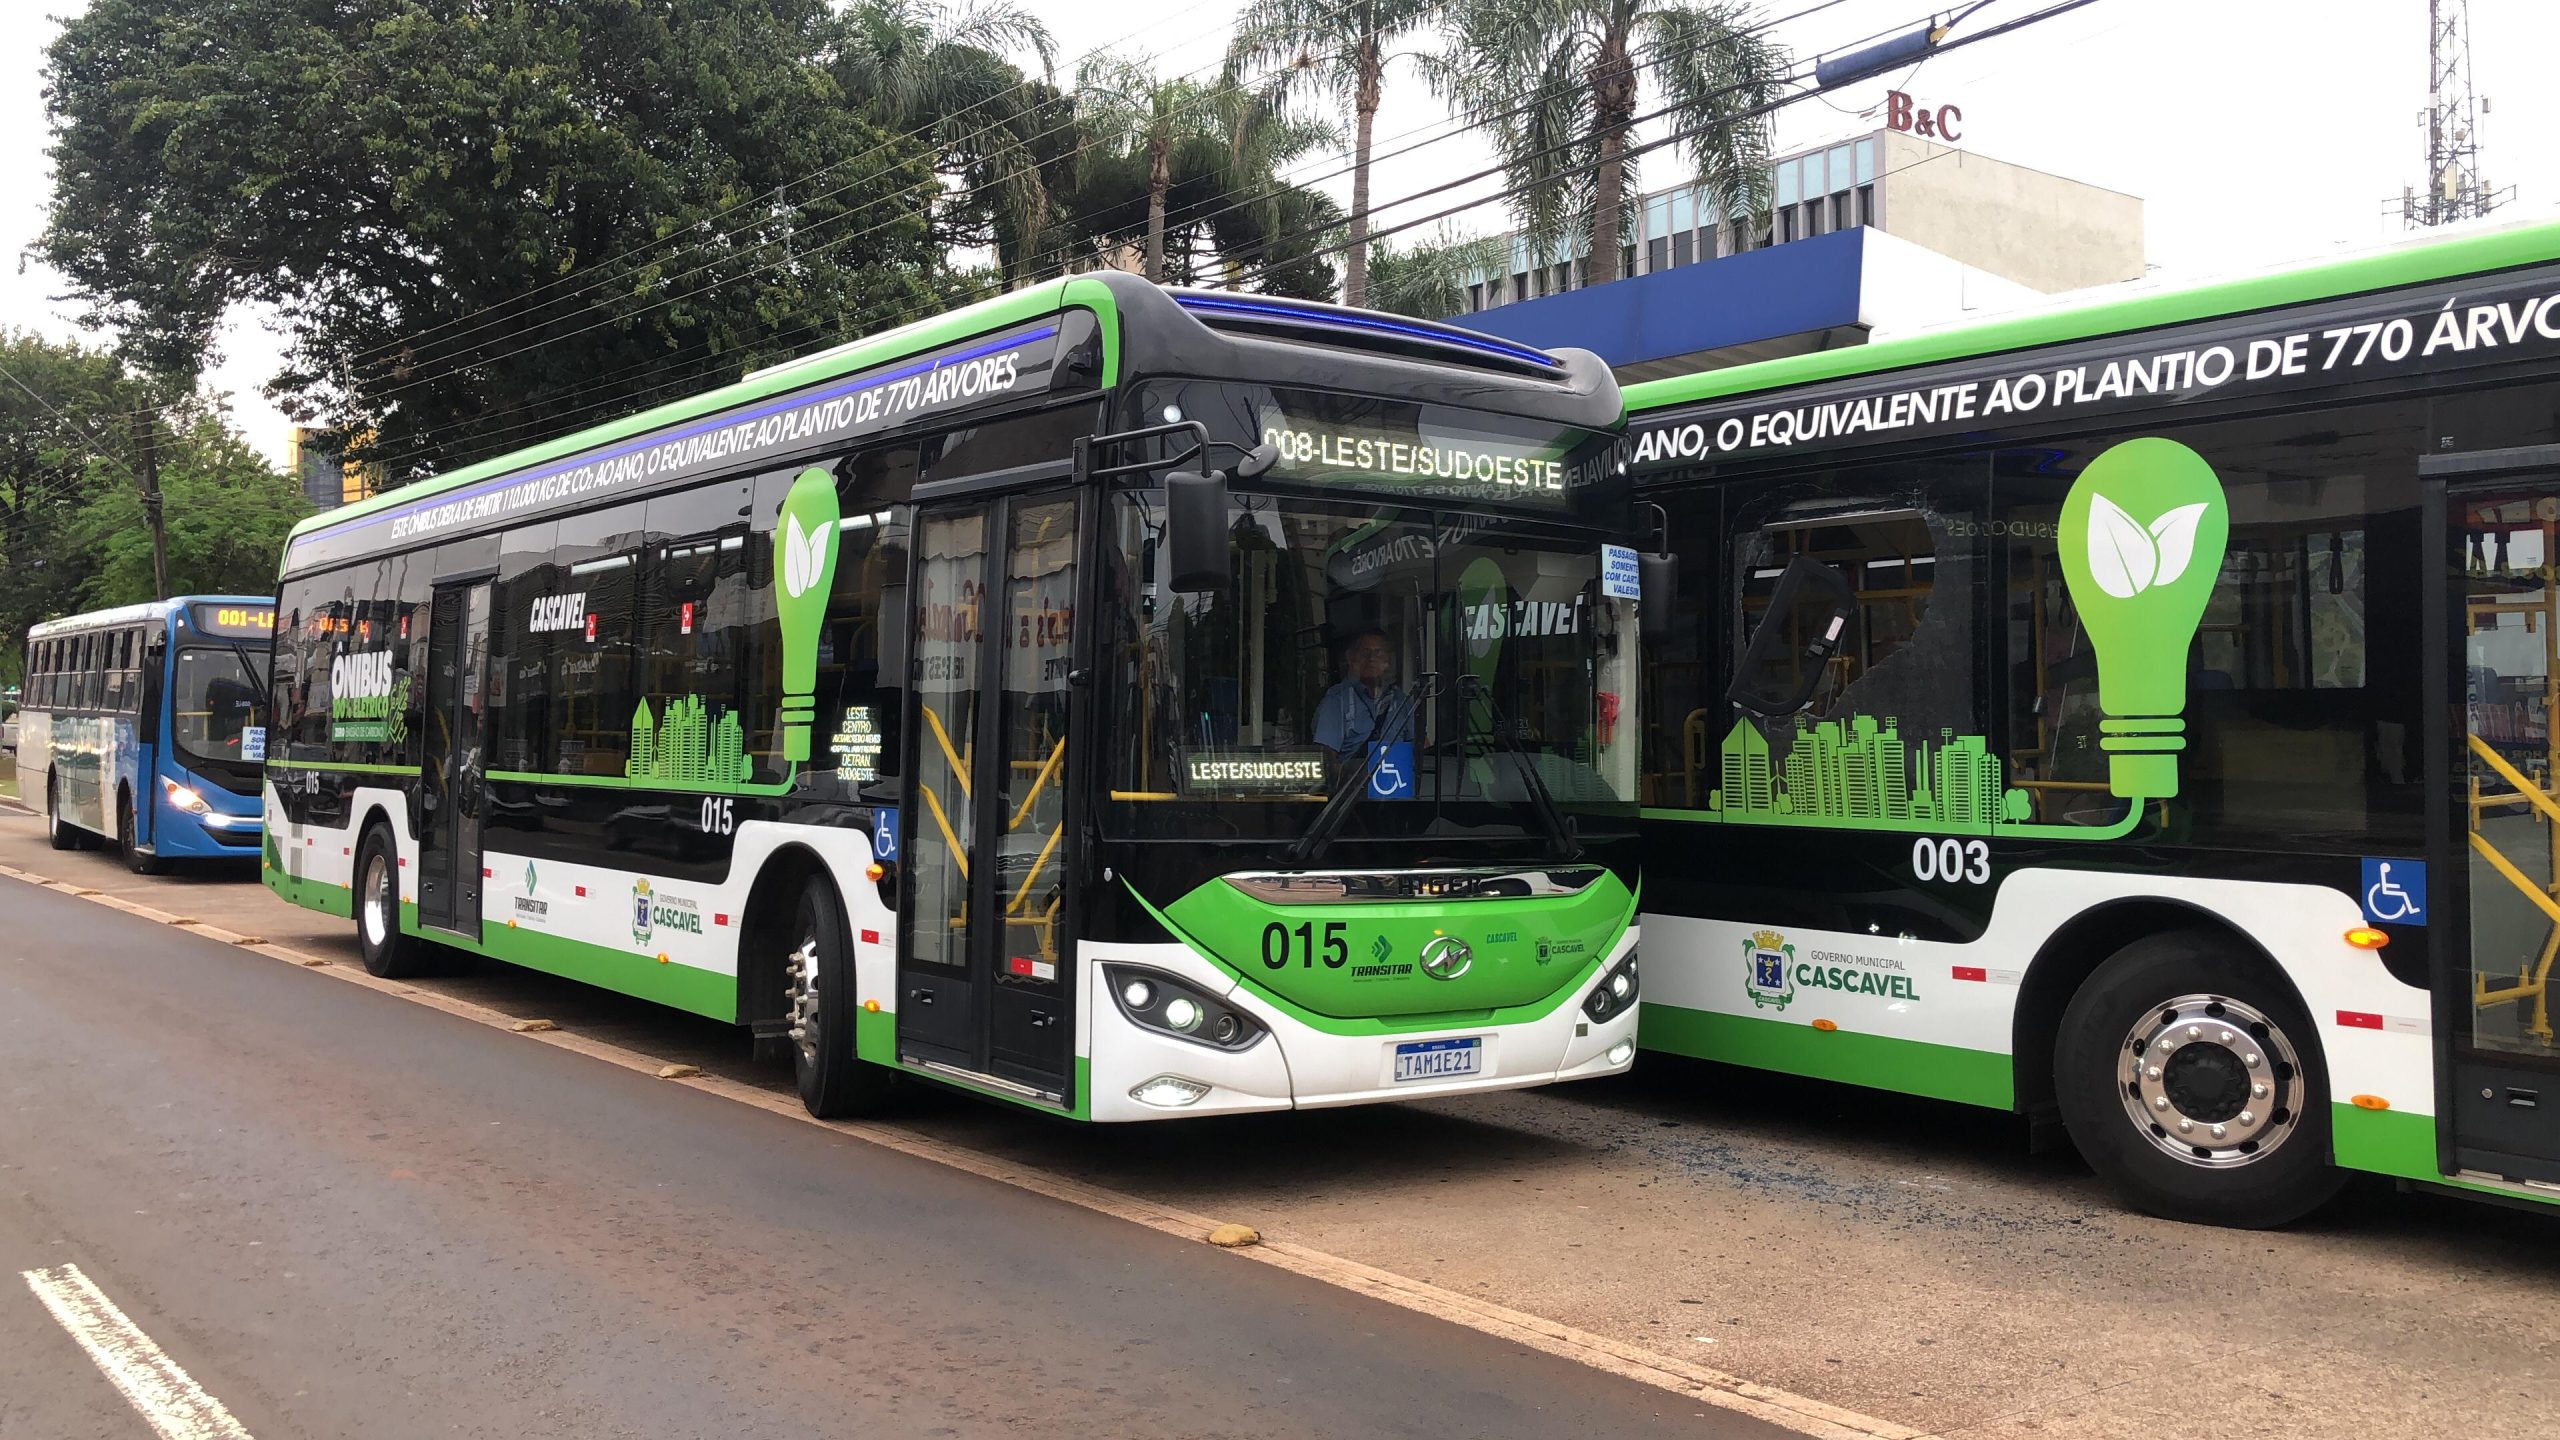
552,418
918,136
1677,136
1054,255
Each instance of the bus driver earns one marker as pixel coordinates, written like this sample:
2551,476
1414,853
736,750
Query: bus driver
1363,708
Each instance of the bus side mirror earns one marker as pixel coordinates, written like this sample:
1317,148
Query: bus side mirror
1807,617
1195,523
1658,583
1258,461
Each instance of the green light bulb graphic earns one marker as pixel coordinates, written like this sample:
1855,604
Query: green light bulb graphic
2142,537
804,569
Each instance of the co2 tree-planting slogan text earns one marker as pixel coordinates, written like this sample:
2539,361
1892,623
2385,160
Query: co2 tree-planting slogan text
2433,333
851,408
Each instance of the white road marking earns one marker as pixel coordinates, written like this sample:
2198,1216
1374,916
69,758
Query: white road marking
174,1404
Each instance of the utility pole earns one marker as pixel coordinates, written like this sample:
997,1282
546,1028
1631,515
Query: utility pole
146,434
2454,189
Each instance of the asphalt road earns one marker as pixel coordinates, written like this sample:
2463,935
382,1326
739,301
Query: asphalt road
1901,1258
347,1215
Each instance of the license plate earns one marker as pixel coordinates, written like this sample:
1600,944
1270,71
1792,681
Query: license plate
1439,1059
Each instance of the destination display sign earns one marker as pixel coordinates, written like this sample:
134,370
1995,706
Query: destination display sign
1299,772
1020,362
2398,334
1422,451
232,622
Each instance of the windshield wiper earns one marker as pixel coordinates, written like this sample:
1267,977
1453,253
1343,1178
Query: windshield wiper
1559,829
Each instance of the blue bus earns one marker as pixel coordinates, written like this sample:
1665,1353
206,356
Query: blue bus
145,727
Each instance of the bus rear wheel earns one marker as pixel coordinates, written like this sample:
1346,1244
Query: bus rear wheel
126,846
58,832
388,952
818,996
2194,1087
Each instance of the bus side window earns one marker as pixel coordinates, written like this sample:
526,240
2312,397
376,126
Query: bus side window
1884,650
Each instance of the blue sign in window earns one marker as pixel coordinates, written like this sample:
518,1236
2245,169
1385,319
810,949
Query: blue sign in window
884,833
1393,777
2395,891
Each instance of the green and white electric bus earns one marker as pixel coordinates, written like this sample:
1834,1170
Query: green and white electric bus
970,702
2137,715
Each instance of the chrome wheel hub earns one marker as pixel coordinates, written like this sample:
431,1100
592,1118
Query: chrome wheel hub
801,966
377,899
2211,1081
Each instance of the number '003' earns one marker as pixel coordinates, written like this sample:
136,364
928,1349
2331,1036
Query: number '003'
1961,862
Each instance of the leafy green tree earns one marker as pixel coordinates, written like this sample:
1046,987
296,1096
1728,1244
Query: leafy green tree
1160,125
1429,278
72,528
1340,53
1557,85
443,200
226,511
57,403
1267,232
925,68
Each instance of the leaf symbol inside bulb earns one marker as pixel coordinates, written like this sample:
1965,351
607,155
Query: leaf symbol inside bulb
2122,558
2175,534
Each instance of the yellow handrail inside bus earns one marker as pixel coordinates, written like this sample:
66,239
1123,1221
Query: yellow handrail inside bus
941,737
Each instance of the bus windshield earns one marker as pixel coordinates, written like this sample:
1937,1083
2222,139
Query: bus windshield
217,692
1452,674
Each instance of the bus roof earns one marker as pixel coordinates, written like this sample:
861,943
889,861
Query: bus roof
1109,296
2113,312
129,614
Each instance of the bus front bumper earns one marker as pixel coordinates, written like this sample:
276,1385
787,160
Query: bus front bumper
1140,1073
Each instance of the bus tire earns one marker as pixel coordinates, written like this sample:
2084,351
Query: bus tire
818,1000
2194,1086
127,822
61,834
375,901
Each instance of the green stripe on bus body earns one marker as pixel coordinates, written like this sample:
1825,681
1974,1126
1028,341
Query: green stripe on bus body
2402,1144
625,782
985,317
318,895
349,766
1879,1062
643,977
2451,259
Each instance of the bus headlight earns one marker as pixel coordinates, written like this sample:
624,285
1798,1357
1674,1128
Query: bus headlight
184,798
1156,1001
1616,993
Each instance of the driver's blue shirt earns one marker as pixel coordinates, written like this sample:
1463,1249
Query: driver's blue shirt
1350,716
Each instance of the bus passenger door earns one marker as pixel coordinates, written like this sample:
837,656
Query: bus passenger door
985,979
2499,847
449,775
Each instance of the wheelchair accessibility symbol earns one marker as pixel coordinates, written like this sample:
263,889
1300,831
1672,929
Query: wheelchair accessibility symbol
2395,892
1393,777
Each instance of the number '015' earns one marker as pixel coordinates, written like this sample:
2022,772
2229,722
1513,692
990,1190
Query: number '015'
1961,862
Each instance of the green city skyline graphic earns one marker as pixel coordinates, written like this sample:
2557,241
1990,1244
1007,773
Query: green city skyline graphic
1860,772
692,745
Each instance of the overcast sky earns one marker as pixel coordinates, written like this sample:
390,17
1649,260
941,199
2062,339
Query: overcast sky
2254,130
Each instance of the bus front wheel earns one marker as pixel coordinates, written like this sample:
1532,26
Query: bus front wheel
2194,1087
126,845
818,992
388,952
60,833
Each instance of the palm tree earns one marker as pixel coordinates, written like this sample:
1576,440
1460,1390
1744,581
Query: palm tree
1132,114
1339,52
1261,219
1556,83
1428,278
944,72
